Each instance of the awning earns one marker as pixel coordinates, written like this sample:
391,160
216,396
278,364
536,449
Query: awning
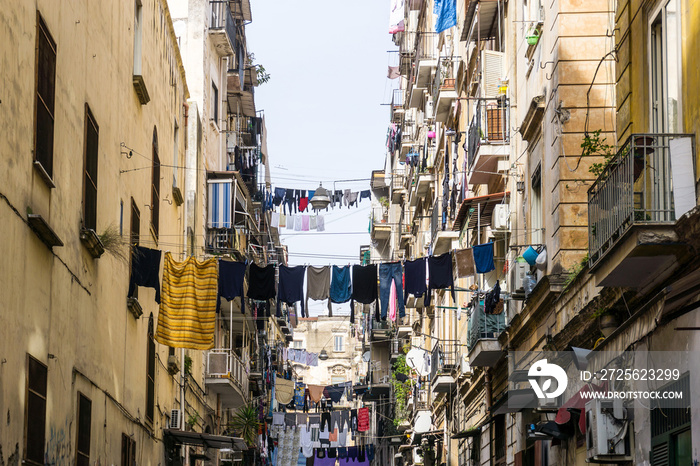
484,205
577,402
516,401
217,442
487,27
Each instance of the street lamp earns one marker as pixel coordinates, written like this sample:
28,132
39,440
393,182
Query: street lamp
323,355
320,200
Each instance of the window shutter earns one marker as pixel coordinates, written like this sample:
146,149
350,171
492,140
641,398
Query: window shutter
660,455
491,72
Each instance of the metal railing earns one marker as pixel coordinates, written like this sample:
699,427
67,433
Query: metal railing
224,363
221,19
443,79
426,46
398,179
635,187
222,240
489,125
483,326
444,356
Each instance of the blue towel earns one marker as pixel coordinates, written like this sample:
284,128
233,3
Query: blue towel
446,15
340,285
290,287
483,258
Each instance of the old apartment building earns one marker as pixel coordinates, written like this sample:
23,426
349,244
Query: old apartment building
561,129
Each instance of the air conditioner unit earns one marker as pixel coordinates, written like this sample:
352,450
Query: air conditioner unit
547,404
429,109
175,421
501,217
417,457
517,279
491,72
218,364
608,431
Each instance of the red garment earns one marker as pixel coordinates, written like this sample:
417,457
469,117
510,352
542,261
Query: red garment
303,203
363,419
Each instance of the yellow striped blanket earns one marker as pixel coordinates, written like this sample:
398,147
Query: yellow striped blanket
187,314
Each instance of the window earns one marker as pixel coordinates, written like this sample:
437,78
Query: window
338,343
134,234
214,103
138,32
128,451
155,186
176,134
82,445
665,69
90,171
35,414
45,96
499,437
536,223
150,371
670,427
298,344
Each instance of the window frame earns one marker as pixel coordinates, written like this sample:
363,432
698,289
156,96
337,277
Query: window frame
88,222
30,393
150,372
78,452
155,188
215,101
44,163
660,9
335,344
128,450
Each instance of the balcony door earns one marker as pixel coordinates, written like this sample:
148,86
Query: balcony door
665,68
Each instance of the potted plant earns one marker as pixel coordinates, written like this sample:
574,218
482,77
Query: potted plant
384,201
245,423
532,37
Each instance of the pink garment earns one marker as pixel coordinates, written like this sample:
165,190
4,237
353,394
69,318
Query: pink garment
305,223
392,301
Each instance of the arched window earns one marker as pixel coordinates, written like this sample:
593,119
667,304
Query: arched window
155,185
150,371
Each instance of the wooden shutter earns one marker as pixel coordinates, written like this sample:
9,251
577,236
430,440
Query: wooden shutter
491,72
82,457
35,421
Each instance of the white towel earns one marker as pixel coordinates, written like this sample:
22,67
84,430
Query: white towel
275,220
320,223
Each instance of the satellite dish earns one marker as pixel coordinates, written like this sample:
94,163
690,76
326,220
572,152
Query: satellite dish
365,356
415,359
423,422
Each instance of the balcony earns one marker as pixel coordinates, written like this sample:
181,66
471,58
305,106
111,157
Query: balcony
409,140
396,349
227,202
482,336
443,89
381,229
222,29
398,185
397,106
633,207
241,91
444,358
241,9
227,376
426,58
442,238
488,139
380,332
421,184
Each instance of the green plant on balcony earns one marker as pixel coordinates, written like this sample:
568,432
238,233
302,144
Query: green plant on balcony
245,423
188,365
593,144
115,244
402,390
192,419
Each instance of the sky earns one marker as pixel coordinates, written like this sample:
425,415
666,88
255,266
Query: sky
324,116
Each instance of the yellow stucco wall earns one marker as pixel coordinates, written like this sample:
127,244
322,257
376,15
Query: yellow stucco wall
65,308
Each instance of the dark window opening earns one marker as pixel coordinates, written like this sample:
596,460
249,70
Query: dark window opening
150,372
215,103
84,420
128,451
35,414
45,96
155,186
90,171
134,233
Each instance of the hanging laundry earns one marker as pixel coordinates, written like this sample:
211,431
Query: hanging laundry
275,220
416,278
341,290
261,282
304,223
388,272
279,196
366,194
289,201
364,286
464,261
393,72
312,222
492,299
320,223
145,269
338,197
231,278
346,196
297,223
363,420
302,200
284,392
483,258
396,16
187,313
283,221
290,288
290,222
312,359
392,302
316,392
336,393
440,275
446,15
352,199
318,285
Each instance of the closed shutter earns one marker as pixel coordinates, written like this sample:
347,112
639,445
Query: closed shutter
36,411
219,204
491,72
660,455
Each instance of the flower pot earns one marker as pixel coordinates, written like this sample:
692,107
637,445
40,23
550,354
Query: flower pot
532,40
448,83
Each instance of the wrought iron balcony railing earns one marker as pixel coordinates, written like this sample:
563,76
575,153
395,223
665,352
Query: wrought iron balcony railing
489,125
483,326
635,187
